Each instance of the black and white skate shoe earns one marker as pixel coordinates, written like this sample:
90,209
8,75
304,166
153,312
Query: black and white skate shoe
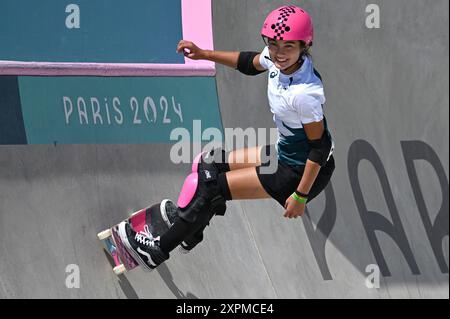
169,212
142,246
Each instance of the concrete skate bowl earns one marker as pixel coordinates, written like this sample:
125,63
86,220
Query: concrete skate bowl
387,105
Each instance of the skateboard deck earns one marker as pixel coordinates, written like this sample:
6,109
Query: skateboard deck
157,220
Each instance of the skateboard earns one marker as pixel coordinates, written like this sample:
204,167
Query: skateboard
158,218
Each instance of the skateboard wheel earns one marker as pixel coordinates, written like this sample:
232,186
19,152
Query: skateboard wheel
104,234
119,270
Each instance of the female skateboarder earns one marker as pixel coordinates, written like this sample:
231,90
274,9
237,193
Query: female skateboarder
303,152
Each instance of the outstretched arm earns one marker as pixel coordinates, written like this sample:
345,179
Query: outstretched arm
227,58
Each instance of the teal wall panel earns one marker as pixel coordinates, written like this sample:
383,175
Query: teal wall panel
110,31
76,110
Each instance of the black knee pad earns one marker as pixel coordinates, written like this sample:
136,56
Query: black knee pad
197,211
210,194
219,157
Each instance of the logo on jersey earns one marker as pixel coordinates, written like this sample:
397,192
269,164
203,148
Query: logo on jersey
273,74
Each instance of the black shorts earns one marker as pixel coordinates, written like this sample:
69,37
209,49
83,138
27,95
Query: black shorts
285,180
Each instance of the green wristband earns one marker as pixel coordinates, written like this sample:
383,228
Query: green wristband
301,200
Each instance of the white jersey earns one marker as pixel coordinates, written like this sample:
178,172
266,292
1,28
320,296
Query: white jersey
294,100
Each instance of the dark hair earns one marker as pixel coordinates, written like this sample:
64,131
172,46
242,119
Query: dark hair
306,49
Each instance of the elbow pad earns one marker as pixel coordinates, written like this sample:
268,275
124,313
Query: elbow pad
321,150
245,63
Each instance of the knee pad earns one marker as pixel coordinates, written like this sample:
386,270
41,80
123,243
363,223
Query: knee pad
200,192
189,188
218,157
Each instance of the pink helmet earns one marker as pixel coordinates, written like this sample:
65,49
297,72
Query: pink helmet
289,23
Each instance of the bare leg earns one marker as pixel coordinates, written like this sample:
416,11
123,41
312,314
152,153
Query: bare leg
245,158
244,184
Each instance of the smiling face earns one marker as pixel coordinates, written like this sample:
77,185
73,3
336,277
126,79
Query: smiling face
285,54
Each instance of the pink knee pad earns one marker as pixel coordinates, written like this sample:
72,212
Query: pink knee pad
190,185
188,190
196,162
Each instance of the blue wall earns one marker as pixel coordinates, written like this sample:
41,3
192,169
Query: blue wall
110,31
